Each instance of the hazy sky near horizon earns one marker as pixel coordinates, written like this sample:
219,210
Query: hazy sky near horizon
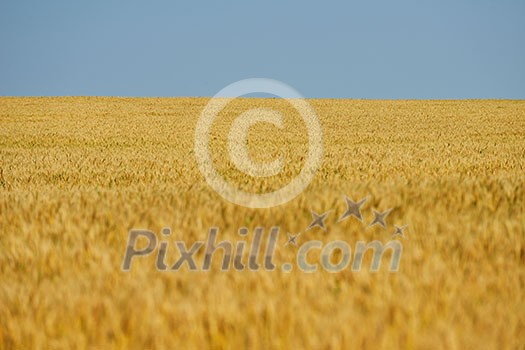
343,49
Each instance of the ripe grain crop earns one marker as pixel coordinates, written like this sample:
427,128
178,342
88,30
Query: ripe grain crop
77,173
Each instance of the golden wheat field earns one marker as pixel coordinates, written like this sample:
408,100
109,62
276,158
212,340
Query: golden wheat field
77,173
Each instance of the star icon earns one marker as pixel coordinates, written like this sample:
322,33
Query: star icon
353,209
399,231
292,239
318,220
379,218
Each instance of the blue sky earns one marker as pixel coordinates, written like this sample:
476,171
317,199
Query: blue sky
367,49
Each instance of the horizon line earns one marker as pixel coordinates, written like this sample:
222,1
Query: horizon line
269,97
